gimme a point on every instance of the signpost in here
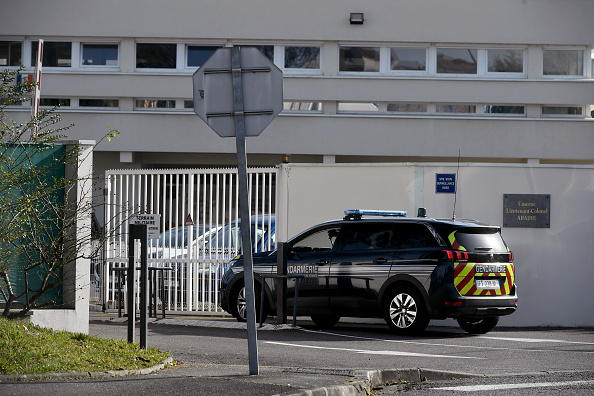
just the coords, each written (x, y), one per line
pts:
(143, 227)
(152, 222)
(445, 183)
(238, 91)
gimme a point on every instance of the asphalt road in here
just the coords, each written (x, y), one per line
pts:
(214, 360)
(372, 346)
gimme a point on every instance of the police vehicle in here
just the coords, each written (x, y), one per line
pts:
(382, 264)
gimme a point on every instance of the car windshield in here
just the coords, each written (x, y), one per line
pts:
(178, 236)
(478, 239)
(230, 237)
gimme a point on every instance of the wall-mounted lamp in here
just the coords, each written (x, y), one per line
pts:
(356, 18)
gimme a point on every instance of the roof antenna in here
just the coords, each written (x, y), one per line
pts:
(456, 186)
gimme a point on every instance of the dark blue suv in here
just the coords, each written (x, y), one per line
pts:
(381, 264)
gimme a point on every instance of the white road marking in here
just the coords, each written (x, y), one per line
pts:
(477, 388)
(536, 340)
(362, 351)
(456, 346)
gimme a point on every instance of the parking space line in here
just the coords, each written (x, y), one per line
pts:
(537, 340)
(369, 352)
(475, 388)
(444, 344)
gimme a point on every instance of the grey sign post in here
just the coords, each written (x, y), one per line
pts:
(238, 92)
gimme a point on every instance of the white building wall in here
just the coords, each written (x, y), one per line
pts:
(480, 21)
(553, 265)
(483, 24)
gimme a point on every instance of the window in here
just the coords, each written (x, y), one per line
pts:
(317, 242)
(413, 236)
(407, 107)
(302, 57)
(509, 110)
(367, 236)
(55, 54)
(10, 53)
(154, 104)
(408, 58)
(352, 107)
(455, 108)
(100, 55)
(505, 61)
(98, 103)
(229, 237)
(197, 55)
(563, 62)
(302, 106)
(359, 59)
(457, 60)
(188, 104)
(562, 110)
(156, 56)
(484, 240)
(53, 102)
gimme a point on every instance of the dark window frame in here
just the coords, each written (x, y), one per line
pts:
(156, 56)
(53, 52)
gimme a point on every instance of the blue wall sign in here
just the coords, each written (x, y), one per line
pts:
(445, 183)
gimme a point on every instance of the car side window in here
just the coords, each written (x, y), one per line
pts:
(366, 236)
(319, 241)
(413, 235)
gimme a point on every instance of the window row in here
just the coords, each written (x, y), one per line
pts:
(434, 60)
(342, 107)
(148, 55)
(455, 109)
(408, 60)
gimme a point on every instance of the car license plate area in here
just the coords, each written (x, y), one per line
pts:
(487, 284)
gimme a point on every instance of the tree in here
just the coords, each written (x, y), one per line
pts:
(41, 203)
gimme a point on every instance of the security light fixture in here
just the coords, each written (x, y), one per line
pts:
(356, 18)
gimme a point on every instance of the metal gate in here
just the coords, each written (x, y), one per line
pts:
(199, 218)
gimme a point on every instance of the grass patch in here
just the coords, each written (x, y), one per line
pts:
(30, 349)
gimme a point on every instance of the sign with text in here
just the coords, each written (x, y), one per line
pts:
(445, 183)
(152, 222)
(527, 210)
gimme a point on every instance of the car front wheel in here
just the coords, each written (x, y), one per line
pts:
(239, 303)
(478, 325)
(405, 311)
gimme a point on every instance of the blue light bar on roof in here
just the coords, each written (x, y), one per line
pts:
(384, 213)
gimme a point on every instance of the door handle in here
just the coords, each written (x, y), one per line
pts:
(322, 262)
(380, 260)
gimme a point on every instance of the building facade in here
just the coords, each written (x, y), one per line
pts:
(503, 87)
(506, 81)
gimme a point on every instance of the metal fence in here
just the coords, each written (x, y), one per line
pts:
(199, 222)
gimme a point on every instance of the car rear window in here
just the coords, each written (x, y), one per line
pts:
(413, 236)
(482, 240)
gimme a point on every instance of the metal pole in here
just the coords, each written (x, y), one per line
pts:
(244, 212)
(143, 285)
(131, 283)
(281, 296)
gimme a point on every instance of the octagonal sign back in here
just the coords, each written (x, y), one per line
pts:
(262, 84)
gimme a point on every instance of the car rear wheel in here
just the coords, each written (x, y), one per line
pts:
(239, 303)
(478, 325)
(325, 321)
(405, 311)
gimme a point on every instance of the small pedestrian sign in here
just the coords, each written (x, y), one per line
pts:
(445, 183)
